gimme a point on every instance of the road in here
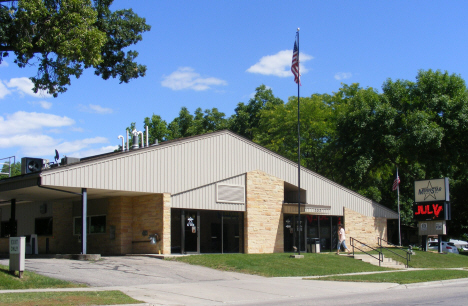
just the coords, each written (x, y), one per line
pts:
(163, 282)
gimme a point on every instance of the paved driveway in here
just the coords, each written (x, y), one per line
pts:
(126, 271)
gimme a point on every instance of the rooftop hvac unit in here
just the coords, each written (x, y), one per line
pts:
(31, 165)
(69, 160)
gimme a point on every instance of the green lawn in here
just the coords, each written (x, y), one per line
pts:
(66, 298)
(402, 277)
(281, 265)
(31, 280)
(433, 260)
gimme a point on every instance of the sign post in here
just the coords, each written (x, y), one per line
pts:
(17, 255)
(432, 208)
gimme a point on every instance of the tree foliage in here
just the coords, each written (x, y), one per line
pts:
(64, 37)
(15, 170)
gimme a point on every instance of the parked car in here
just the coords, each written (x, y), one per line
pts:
(448, 247)
(460, 244)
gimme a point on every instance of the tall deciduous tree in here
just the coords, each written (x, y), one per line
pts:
(419, 127)
(66, 36)
(247, 116)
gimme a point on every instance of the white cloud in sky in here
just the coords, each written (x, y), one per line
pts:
(23, 122)
(343, 75)
(92, 152)
(24, 86)
(95, 109)
(31, 132)
(279, 64)
(4, 63)
(43, 104)
(187, 78)
(3, 90)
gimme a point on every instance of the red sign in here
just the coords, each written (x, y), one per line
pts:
(431, 211)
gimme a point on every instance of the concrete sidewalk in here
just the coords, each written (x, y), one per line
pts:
(162, 282)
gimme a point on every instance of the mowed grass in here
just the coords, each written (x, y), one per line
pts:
(66, 298)
(402, 277)
(281, 265)
(31, 280)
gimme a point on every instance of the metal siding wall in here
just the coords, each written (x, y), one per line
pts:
(200, 161)
(205, 197)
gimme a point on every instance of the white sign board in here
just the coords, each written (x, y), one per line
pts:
(431, 190)
(15, 245)
(423, 226)
(17, 254)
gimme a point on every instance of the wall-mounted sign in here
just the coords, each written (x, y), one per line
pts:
(423, 226)
(439, 210)
(431, 190)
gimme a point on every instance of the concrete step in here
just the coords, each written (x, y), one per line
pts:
(387, 262)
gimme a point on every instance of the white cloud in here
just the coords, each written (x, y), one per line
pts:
(279, 64)
(96, 109)
(25, 86)
(4, 63)
(43, 104)
(187, 78)
(23, 122)
(92, 152)
(343, 75)
(3, 90)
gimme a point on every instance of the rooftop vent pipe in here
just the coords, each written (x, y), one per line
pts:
(135, 139)
(121, 137)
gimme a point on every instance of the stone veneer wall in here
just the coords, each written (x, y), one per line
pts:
(63, 241)
(363, 228)
(148, 215)
(166, 224)
(263, 225)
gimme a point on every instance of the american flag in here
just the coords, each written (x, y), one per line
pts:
(396, 182)
(295, 65)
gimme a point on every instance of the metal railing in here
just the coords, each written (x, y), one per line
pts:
(354, 245)
(407, 253)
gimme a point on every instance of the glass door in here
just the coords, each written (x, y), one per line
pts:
(190, 223)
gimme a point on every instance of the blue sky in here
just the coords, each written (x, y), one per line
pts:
(215, 53)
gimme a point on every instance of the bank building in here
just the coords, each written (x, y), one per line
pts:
(212, 193)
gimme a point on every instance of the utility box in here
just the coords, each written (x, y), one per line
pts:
(17, 254)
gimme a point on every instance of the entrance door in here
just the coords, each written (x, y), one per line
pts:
(191, 225)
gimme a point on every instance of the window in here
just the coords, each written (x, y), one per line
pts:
(43, 226)
(5, 229)
(95, 224)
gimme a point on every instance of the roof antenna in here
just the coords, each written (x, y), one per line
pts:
(56, 156)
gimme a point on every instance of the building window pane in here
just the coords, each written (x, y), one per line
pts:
(97, 224)
(43, 226)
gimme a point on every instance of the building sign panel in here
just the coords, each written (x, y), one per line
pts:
(431, 211)
(431, 190)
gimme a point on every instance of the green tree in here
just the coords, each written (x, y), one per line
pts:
(64, 37)
(247, 116)
(157, 129)
(419, 127)
(15, 170)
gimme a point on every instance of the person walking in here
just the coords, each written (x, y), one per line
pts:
(342, 240)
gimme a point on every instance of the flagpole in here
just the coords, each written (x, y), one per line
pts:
(298, 154)
(399, 219)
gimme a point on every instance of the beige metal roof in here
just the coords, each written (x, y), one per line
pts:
(189, 164)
